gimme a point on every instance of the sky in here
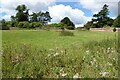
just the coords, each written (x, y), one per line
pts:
(79, 11)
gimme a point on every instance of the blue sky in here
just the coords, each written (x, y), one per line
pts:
(79, 11)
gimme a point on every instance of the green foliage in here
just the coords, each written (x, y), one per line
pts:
(54, 25)
(31, 25)
(20, 24)
(37, 24)
(25, 24)
(66, 33)
(114, 29)
(106, 26)
(4, 25)
(88, 25)
(34, 54)
(67, 23)
(101, 19)
(43, 17)
(117, 22)
(22, 14)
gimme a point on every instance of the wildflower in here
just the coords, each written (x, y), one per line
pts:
(87, 51)
(48, 55)
(1, 51)
(76, 76)
(64, 74)
(56, 54)
(108, 48)
(110, 64)
(51, 49)
(62, 51)
(104, 73)
(94, 59)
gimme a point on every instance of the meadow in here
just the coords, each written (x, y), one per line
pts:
(47, 54)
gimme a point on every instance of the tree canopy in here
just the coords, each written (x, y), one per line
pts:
(23, 15)
(67, 23)
(117, 22)
(101, 18)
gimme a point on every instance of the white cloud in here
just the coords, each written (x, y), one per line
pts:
(96, 5)
(8, 6)
(58, 12)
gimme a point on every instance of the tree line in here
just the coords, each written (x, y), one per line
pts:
(23, 19)
(101, 19)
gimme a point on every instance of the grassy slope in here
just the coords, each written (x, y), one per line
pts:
(51, 39)
(46, 54)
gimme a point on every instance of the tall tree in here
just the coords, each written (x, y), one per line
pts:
(22, 14)
(117, 22)
(67, 23)
(101, 19)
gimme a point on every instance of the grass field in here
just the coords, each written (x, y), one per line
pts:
(46, 54)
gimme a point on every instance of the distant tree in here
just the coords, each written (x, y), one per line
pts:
(13, 18)
(101, 19)
(34, 17)
(67, 23)
(4, 25)
(117, 22)
(22, 14)
(41, 17)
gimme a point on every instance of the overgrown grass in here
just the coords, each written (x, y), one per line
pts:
(66, 33)
(88, 59)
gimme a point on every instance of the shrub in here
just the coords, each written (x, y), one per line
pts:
(106, 26)
(114, 29)
(116, 22)
(20, 24)
(37, 24)
(26, 24)
(31, 25)
(66, 33)
(4, 25)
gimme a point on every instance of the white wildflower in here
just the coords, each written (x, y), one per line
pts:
(1, 51)
(51, 49)
(48, 55)
(87, 51)
(64, 74)
(56, 54)
(94, 59)
(92, 62)
(109, 48)
(61, 70)
(76, 76)
(62, 51)
(104, 73)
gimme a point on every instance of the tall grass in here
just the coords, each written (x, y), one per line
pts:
(95, 59)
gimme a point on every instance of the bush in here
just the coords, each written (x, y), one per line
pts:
(4, 25)
(37, 24)
(20, 24)
(114, 29)
(31, 25)
(12, 23)
(26, 24)
(66, 33)
(106, 26)
(116, 22)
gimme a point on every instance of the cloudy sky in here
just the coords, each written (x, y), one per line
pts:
(79, 11)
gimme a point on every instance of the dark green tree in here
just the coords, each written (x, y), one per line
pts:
(117, 22)
(101, 19)
(22, 14)
(34, 17)
(67, 23)
(4, 25)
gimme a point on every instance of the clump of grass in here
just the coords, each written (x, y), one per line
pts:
(66, 33)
